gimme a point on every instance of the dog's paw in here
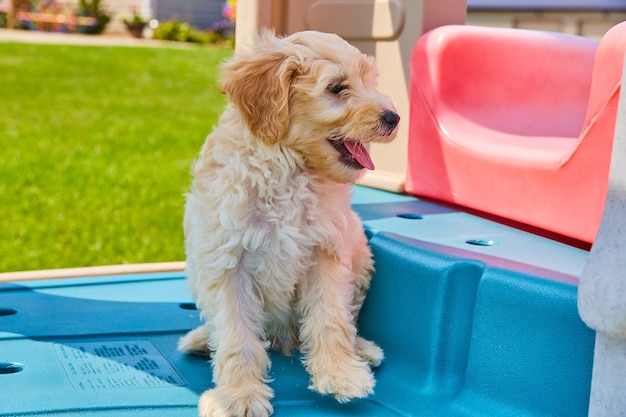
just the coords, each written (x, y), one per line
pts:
(346, 381)
(195, 342)
(250, 401)
(369, 351)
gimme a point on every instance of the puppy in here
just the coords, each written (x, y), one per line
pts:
(276, 258)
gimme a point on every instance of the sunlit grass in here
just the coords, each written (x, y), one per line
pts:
(95, 149)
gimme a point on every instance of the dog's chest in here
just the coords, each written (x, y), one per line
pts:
(288, 227)
(295, 231)
(270, 214)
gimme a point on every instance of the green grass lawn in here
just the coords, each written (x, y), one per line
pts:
(96, 145)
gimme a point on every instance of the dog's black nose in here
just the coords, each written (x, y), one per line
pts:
(390, 119)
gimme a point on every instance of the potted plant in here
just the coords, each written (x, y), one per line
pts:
(92, 9)
(135, 23)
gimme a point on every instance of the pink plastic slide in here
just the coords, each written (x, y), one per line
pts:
(517, 124)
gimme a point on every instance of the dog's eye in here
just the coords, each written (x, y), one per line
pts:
(337, 88)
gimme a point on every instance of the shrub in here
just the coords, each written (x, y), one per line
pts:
(175, 30)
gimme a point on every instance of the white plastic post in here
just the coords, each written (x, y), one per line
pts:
(602, 289)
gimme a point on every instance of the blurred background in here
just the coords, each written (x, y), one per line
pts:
(97, 136)
(591, 18)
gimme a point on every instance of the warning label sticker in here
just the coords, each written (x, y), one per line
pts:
(114, 365)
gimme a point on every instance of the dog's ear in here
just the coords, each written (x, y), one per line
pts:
(258, 83)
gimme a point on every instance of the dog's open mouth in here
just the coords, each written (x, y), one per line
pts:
(353, 153)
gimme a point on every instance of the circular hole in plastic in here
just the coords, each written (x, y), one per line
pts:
(188, 306)
(411, 216)
(7, 311)
(482, 242)
(10, 368)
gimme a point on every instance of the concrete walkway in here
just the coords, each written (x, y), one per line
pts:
(28, 36)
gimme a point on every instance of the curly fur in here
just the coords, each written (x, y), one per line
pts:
(276, 258)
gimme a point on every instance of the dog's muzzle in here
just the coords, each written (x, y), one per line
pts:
(353, 153)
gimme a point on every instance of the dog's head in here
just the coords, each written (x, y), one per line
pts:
(315, 93)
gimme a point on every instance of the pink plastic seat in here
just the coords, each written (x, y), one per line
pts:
(515, 123)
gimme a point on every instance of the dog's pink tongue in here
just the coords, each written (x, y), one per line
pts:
(358, 151)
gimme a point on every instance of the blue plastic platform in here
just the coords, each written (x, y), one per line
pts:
(487, 328)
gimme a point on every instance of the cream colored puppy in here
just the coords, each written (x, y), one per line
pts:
(276, 258)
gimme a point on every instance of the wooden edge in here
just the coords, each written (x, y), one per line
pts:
(93, 271)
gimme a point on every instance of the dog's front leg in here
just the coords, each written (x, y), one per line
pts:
(328, 332)
(240, 360)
